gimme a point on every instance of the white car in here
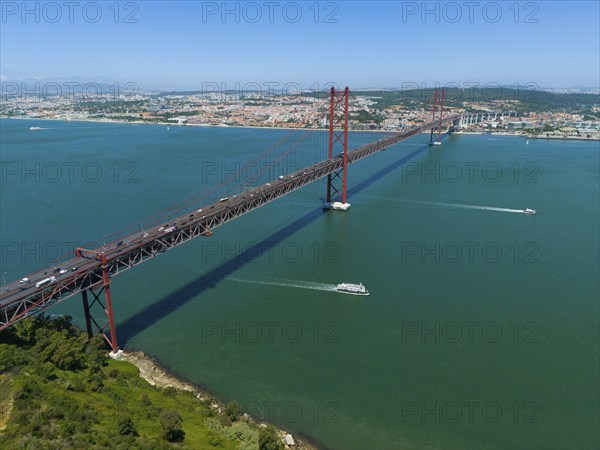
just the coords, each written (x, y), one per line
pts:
(24, 280)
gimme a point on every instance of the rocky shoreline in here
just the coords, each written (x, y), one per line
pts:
(157, 376)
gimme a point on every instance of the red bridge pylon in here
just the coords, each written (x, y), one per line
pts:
(338, 139)
(107, 329)
(438, 102)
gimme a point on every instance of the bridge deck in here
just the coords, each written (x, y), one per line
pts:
(19, 300)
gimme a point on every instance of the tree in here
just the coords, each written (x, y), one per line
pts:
(10, 356)
(233, 410)
(25, 330)
(268, 439)
(96, 353)
(125, 426)
(170, 423)
(60, 347)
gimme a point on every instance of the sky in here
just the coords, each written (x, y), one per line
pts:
(179, 45)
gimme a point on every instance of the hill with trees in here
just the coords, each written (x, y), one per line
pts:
(59, 389)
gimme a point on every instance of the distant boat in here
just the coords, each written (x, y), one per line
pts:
(529, 211)
(35, 128)
(168, 128)
(526, 143)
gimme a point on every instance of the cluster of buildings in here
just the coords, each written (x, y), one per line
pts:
(257, 109)
(547, 124)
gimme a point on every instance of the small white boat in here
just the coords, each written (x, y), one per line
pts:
(527, 143)
(34, 128)
(168, 128)
(529, 211)
(337, 206)
(354, 289)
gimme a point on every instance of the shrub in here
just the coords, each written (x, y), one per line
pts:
(268, 439)
(125, 426)
(170, 423)
(226, 421)
(170, 391)
(146, 400)
(233, 410)
(216, 441)
(10, 356)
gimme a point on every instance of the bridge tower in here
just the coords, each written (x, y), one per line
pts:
(338, 139)
(438, 102)
(107, 329)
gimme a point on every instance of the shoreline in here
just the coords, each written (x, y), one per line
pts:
(201, 125)
(195, 125)
(529, 136)
(159, 377)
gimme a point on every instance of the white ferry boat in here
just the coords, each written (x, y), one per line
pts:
(355, 289)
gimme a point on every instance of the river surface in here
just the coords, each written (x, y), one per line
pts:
(481, 330)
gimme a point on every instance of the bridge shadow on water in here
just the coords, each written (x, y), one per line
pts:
(160, 309)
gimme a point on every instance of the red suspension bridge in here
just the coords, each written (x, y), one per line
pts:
(90, 270)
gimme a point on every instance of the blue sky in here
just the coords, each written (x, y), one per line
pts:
(181, 45)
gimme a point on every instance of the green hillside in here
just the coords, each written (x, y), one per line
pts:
(60, 390)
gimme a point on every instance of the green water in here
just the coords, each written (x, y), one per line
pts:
(481, 330)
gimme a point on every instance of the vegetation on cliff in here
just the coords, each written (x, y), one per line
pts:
(60, 390)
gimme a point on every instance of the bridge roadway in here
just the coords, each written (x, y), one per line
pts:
(19, 300)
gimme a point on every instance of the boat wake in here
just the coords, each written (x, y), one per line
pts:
(298, 284)
(480, 207)
(463, 206)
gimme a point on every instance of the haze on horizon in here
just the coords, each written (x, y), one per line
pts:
(185, 45)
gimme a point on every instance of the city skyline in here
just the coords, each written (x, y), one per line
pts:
(181, 45)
